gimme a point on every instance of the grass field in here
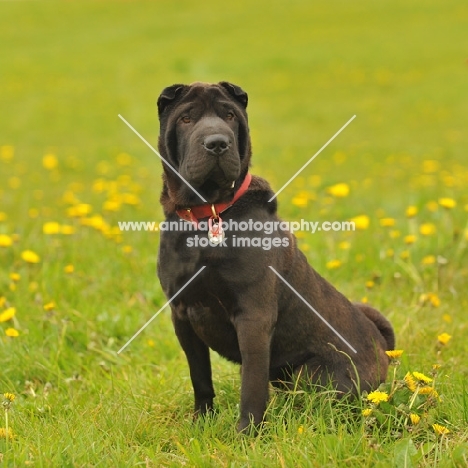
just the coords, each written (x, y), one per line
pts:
(74, 289)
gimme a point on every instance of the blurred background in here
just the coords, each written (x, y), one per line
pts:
(68, 69)
(74, 288)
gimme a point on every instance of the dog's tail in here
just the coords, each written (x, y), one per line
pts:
(382, 324)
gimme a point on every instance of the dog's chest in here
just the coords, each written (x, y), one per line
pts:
(215, 329)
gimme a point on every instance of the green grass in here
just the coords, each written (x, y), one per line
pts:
(69, 68)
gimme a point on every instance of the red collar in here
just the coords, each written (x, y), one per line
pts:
(195, 213)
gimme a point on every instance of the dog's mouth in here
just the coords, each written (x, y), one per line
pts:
(217, 191)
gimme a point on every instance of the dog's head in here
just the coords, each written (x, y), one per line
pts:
(204, 135)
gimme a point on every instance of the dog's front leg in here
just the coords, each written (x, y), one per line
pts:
(254, 336)
(198, 357)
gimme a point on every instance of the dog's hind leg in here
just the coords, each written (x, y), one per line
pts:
(382, 324)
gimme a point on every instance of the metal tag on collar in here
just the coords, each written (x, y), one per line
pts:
(215, 228)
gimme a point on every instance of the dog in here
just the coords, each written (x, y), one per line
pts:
(264, 308)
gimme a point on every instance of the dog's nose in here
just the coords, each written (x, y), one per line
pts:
(216, 144)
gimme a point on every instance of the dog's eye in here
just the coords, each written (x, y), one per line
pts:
(230, 115)
(185, 119)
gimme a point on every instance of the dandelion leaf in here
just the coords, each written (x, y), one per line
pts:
(406, 454)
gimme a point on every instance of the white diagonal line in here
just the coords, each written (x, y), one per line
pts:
(312, 158)
(161, 309)
(313, 310)
(162, 159)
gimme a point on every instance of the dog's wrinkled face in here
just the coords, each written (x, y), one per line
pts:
(204, 136)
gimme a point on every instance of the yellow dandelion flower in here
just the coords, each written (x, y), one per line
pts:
(434, 300)
(411, 211)
(4, 434)
(103, 167)
(444, 338)
(448, 203)
(410, 239)
(361, 222)
(410, 382)
(333, 264)
(124, 180)
(431, 298)
(50, 161)
(366, 412)
(429, 260)
(15, 276)
(364, 300)
(3, 216)
(97, 222)
(414, 418)
(7, 152)
(99, 185)
(387, 222)
(430, 166)
(11, 332)
(376, 397)
(9, 397)
(69, 269)
(447, 318)
(130, 199)
(428, 391)
(370, 284)
(345, 245)
(50, 306)
(340, 190)
(80, 210)
(404, 255)
(30, 257)
(300, 200)
(110, 205)
(304, 247)
(300, 429)
(5, 241)
(51, 228)
(127, 249)
(7, 314)
(151, 343)
(421, 377)
(449, 180)
(124, 159)
(14, 182)
(394, 353)
(427, 229)
(440, 430)
(69, 198)
(432, 205)
(67, 230)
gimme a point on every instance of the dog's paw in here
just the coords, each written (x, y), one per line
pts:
(203, 409)
(248, 427)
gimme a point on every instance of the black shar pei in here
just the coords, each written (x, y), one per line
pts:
(255, 300)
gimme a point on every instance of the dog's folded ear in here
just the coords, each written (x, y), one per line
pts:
(237, 92)
(168, 95)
